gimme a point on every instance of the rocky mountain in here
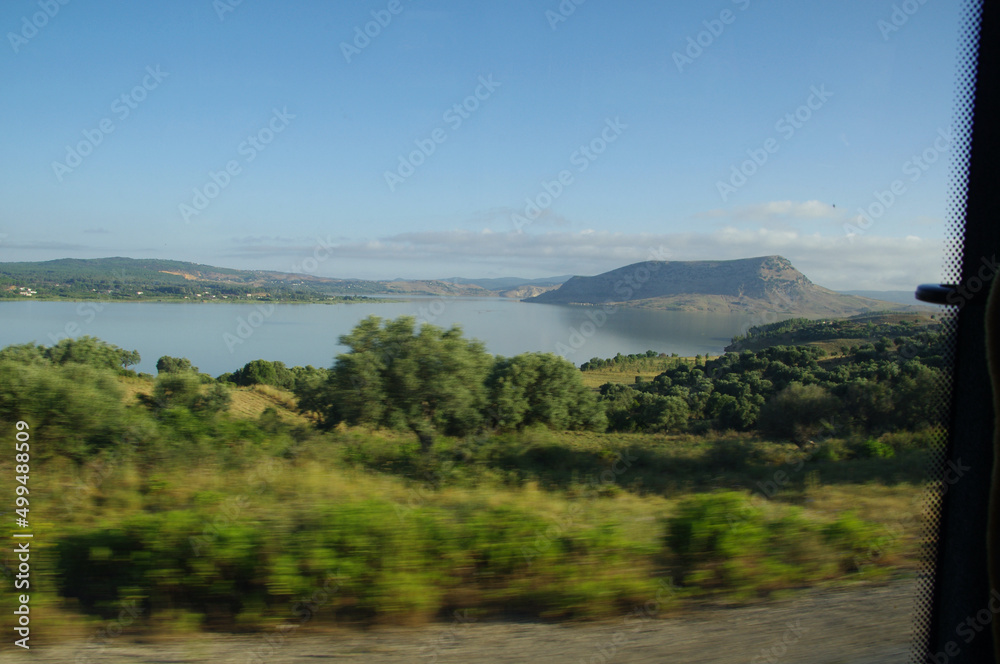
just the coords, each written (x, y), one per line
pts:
(748, 285)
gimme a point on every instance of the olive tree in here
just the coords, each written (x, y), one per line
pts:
(398, 376)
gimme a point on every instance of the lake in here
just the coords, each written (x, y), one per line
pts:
(221, 337)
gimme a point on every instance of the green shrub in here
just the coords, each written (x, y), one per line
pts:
(721, 541)
(236, 569)
(870, 448)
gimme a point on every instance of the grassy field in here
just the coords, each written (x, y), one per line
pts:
(646, 368)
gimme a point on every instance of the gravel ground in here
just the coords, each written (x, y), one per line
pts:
(861, 625)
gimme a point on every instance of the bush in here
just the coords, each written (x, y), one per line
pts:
(871, 448)
(76, 409)
(798, 413)
(374, 561)
(167, 364)
(721, 540)
(262, 372)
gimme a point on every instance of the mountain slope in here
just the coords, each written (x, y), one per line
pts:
(763, 284)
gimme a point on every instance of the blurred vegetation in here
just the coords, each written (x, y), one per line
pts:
(418, 476)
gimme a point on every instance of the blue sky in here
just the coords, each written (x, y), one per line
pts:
(119, 121)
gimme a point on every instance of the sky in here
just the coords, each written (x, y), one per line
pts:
(435, 138)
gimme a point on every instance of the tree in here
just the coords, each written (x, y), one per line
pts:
(629, 409)
(428, 380)
(167, 364)
(175, 389)
(24, 353)
(262, 372)
(798, 412)
(75, 409)
(310, 390)
(91, 351)
(129, 358)
(542, 388)
(183, 389)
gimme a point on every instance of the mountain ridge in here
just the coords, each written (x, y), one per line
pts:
(763, 284)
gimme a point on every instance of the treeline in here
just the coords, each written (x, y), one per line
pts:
(638, 362)
(802, 330)
(434, 382)
(106, 289)
(73, 399)
(790, 393)
(429, 381)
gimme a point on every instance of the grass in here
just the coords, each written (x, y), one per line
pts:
(251, 402)
(598, 377)
(247, 402)
(646, 369)
(492, 546)
(542, 524)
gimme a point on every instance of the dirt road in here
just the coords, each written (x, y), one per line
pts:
(862, 625)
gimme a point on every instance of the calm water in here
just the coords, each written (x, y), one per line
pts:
(223, 337)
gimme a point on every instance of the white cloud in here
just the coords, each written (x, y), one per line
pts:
(778, 212)
(868, 262)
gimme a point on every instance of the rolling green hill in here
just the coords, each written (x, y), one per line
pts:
(134, 279)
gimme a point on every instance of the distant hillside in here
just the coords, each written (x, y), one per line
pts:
(748, 285)
(531, 290)
(138, 279)
(835, 335)
(513, 287)
(510, 283)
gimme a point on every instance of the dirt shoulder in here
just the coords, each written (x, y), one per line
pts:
(860, 625)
